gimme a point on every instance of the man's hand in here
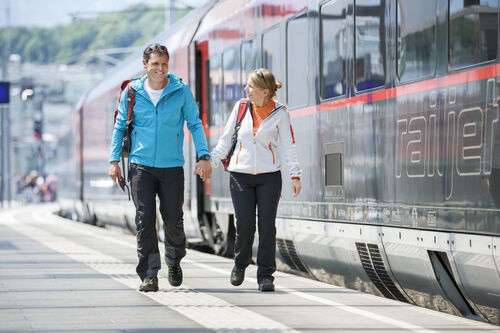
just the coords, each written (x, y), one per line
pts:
(115, 172)
(203, 168)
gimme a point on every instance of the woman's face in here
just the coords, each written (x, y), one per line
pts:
(255, 94)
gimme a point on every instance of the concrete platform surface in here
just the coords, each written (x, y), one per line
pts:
(62, 276)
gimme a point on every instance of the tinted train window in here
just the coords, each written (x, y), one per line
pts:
(248, 61)
(333, 169)
(370, 44)
(271, 56)
(232, 87)
(215, 90)
(416, 44)
(333, 166)
(333, 48)
(473, 32)
(297, 61)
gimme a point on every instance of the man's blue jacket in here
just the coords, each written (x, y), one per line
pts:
(158, 135)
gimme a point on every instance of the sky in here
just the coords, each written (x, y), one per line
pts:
(49, 13)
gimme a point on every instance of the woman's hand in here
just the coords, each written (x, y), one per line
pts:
(296, 186)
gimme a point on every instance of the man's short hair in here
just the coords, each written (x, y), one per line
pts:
(158, 49)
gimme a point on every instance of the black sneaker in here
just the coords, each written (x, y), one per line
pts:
(149, 284)
(175, 275)
(266, 284)
(237, 275)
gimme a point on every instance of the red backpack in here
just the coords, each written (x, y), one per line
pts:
(126, 143)
(241, 113)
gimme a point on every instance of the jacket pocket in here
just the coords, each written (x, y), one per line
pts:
(272, 152)
(239, 151)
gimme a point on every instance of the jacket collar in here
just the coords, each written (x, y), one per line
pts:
(174, 84)
(277, 106)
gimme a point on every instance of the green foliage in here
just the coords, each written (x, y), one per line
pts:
(75, 42)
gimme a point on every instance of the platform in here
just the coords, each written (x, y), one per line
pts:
(57, 275)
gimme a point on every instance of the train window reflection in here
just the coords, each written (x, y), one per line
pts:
(416, 39)
(231, 81)
(473, 30)
(333, 48)
(215, 91)
(369, 44)
(271, 53)
(248, 61)
(333, 169)
(297, 61)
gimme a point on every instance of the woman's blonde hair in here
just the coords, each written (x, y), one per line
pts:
(262, 78)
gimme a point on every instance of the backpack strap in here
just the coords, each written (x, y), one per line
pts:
(130, 118)
(241, 113)
(130, 103)
(130, 100)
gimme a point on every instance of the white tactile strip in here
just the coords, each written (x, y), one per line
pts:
(208, 311)
(214, 319)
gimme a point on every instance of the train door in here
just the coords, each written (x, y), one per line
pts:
(215, 228)
(200, 191)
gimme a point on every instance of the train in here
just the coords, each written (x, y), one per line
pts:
(395, 110)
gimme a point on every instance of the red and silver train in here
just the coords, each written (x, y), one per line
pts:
(395, 109)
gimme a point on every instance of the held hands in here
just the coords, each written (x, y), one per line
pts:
(203, 169)
(296, 186)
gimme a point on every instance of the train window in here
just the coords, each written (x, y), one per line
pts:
(248, 61)
(416, 39)
(215, 91)
(231, 80)
(369, 44)
(271, 55)
(473, 32)
(333, 48)
(333, 169)
(297, 61)
(333, 166)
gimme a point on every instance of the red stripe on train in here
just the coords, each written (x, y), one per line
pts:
(408, 89)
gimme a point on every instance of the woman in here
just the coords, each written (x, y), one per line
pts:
(255, 179)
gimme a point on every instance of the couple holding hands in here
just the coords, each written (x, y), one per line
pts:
(257, 134)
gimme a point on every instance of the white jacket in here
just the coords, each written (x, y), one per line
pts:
(259, 153)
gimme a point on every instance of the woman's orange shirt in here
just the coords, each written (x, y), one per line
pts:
(261, 113)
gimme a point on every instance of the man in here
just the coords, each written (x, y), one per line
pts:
(162, 104)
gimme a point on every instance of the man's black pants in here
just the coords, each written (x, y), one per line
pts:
(248, 192)
(168, 183)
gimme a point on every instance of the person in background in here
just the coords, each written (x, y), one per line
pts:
(163, 103)
(255, 176)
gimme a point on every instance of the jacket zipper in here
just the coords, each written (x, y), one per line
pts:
(156, 134)
(156, 116)
(272, 152)
(237, 156)
(274, 111)
(254, 156)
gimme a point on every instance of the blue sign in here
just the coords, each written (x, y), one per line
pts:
(4, 93)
